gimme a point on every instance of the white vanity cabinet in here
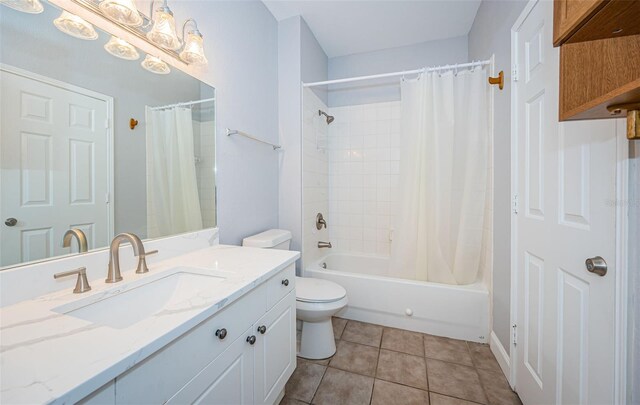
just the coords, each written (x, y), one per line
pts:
(249, 373)
(202, 367)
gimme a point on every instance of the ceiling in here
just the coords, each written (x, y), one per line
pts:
(353, 26)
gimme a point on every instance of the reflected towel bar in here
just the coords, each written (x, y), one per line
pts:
(246, 135)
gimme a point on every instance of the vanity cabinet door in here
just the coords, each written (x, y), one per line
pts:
(226, 380)
(275, 350)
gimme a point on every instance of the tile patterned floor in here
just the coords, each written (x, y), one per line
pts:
(384, 366)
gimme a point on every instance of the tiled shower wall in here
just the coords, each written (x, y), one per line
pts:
(314, 176)
(364, 164)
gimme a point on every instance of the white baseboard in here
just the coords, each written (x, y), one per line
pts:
(501, 355)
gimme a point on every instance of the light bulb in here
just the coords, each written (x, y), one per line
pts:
(26, 6)
(163, 32)
(121, 49)
(122, 11)
(193, 52)
(155, 65)
(75, 26)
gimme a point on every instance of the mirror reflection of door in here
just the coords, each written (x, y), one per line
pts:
(54, 145)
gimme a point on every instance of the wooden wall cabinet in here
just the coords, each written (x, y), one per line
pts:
(599, 56)
(589, 20)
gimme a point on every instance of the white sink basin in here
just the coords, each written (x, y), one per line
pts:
(182, 290)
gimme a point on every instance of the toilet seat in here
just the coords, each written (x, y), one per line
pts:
(315, 290)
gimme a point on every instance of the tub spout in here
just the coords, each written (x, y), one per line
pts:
(324, 245)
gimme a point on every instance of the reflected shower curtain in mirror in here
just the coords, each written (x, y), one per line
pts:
(173, 205)
(443, 177)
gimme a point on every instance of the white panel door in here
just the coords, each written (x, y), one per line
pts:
(54, 168)
(275, 350)
(226, 380)
(566, 176)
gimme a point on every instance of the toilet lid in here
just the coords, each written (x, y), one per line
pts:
(318, 290)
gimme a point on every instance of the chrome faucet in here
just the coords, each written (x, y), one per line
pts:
(114, 274)
(79, 235)
(322, 245)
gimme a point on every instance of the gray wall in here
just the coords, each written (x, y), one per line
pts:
(32, 43)
(442, 52)
(634, 276)
(491, 34)
(241, 41)
(300, 58)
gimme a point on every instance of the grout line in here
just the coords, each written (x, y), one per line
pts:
(319, 384)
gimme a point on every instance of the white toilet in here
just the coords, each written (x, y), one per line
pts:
(317, 300)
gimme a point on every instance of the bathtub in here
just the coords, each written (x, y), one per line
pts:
(460, 312)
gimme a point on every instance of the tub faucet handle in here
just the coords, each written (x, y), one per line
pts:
(320, 221)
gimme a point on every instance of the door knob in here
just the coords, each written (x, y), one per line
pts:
(596, 265)
(10, 222)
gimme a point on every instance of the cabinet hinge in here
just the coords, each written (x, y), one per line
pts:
(106, 197)
(514, 204)
(515, 334)
(106, 123)
(514, 73)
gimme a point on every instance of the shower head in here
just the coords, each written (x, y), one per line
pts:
(329, 118)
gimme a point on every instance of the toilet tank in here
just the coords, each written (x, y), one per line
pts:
(271, 239)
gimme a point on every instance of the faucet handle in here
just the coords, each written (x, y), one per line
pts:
(142, 262)
(82, 284)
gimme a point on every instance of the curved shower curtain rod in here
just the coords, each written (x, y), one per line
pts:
(406, 72)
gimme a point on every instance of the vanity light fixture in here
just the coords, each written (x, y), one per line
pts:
(122, 11)
(26, 6)
(163, 32)
(75, 26)
(121, 49)
(193, 51)
(155, 65)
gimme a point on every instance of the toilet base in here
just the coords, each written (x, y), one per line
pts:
(317, 340)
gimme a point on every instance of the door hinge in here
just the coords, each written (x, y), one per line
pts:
(515, 334)
(514, 73)
(514, 204)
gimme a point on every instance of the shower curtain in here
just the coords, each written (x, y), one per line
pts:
(173, 204)
(443, 177)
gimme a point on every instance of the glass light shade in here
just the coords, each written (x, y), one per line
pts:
(122, 11)
(75, 26)
(163, 32)
(155, 65)
(193, 52)
(26, 6)
(121, 49)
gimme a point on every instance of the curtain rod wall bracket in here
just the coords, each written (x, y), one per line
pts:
(498, 80)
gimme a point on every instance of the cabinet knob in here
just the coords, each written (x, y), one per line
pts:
(262, 329)
(251, 339)
(285, 282)
(221, 333)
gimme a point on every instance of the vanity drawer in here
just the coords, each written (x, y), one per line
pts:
(160, 376)
(280, 285)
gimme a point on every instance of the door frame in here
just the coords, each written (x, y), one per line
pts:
(622, 240)
(109, 132)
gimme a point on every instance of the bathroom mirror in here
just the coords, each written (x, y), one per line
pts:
(96, 142)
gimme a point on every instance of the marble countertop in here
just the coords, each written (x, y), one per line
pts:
(49, 357)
